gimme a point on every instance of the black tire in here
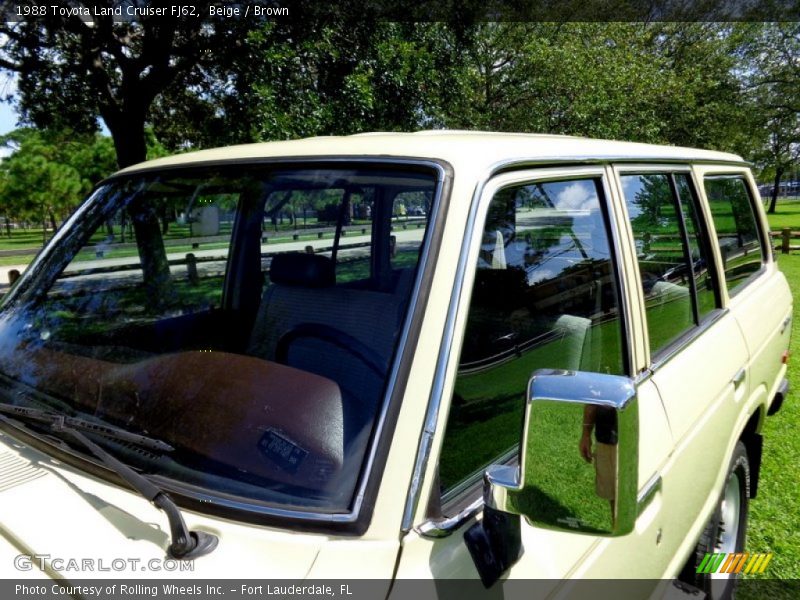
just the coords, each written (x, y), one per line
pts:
(726, 531)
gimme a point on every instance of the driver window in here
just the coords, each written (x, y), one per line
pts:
(545, 296)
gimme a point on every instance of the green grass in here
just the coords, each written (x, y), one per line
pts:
(22, 239)
(787, 214)
(774, 514)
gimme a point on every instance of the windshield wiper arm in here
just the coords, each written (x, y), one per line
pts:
(184, 544)
(109, 431)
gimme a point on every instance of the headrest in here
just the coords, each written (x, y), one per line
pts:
(302, 270)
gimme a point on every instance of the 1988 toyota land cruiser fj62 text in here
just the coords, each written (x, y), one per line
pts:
(441, 354)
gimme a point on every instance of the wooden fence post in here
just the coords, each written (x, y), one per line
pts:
(191, 269)
(786, 239)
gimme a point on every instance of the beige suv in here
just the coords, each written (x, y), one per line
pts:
(398, 356)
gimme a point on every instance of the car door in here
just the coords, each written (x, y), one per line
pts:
(695, 350)
(752, 280)
(545, 284)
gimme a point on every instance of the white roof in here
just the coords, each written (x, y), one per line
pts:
(462, 149)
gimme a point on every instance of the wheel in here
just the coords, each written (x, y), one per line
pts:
(725, 533)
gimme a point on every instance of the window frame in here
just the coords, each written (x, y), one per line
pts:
(666, 352)
(762, 230)
(447, 365)
(357, 519)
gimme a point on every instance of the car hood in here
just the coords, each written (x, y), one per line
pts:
(88, 528)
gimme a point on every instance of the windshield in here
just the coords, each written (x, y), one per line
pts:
(247, 316)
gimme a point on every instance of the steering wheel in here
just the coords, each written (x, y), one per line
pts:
(334, 336)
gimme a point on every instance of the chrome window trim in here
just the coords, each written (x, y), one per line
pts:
(445, 349)
(678, 344)
(536, 163)
(243, 506)
(439, 528)
(402, 342)
(653, 168)
(501, 176)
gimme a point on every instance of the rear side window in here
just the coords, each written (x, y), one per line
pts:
(737, 229)
(672, 254)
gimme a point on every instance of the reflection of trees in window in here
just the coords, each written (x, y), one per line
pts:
(729, 197)
(651, 198)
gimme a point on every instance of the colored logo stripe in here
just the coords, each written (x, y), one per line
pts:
(758, 563)
(734, 563)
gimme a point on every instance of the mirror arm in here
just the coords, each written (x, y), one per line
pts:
(500, 484)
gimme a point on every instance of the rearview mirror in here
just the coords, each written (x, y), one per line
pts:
(578, 456)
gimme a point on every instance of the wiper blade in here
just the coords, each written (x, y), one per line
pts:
(109, 431)
(184, 544)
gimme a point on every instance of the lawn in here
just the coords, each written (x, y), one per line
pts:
(774, 514)
(786, 215)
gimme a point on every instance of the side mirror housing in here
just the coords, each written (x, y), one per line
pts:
(578, 462)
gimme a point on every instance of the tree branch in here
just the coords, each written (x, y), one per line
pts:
(9, 66)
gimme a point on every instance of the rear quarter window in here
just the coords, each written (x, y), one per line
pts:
(738, 232)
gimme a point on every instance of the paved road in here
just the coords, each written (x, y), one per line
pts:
(5, 269)
(403, 237)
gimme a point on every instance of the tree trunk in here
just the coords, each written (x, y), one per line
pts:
(347, 209)
(53, 224)
(129, 142)
(776, 185)
(150, 243)
(164, 218)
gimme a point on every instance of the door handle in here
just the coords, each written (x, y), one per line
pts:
(738, 378)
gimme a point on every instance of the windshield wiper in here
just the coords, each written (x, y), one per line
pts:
(109, 431)
(184, 544)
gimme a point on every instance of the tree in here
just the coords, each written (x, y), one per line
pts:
(324, 69)
(115, 70)
(772, 77)
(36, 183)
(72, 71)
(780, 152)
(48, 173)
(330, 71)
(658, 82)
(773, 50)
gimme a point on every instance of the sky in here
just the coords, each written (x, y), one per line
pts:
(8, 116)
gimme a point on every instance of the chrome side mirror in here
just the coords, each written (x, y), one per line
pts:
(578, 456)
